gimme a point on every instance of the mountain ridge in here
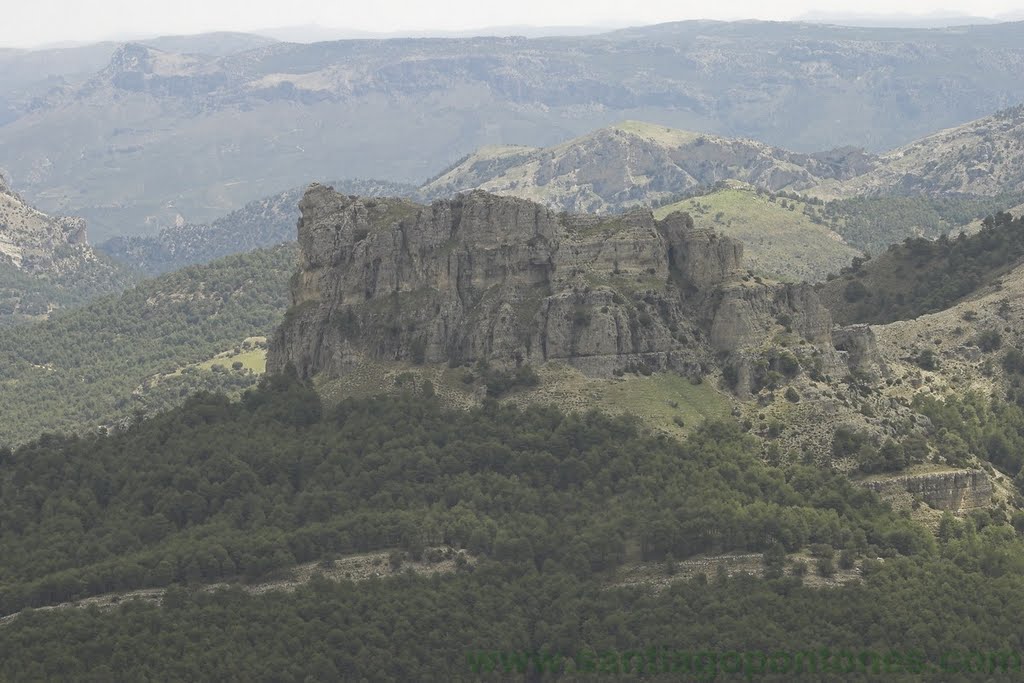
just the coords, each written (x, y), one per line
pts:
(785, 84)
(980, 157)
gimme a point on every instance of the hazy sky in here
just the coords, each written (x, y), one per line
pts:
(33, 22)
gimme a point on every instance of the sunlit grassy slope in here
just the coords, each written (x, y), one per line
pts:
(780, 236)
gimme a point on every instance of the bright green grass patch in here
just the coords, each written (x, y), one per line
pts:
(664, 399)
(255, 360)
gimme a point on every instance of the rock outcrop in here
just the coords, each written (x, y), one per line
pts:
(861, 348)
(956, 491)
(483, 277)
(34, 241)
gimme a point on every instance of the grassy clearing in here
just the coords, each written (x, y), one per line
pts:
(252, 354)
(255, 360)
(663, 398)
(664, 401)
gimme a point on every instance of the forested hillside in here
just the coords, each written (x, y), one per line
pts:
(215, 490)
(874, 223)
(81, 369)
(924, 276)
(25, 297)
(549, 504)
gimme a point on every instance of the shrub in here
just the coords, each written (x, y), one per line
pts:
(395, 560)
(926, 360)
(847, 559)
(855, 291)
(989, 340)
(787, 364)
(822, 550)
(1013, 361)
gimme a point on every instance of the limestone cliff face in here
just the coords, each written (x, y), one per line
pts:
(956, 491)
(510, 281)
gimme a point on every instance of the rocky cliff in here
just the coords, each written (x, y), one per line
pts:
(957, 491)
(46, 262)
(483, 277)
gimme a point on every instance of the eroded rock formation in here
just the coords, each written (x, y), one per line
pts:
(510, 281)
(957, 491)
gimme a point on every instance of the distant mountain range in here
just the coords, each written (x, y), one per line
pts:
(635, 163)
(768, 197)
(83, 135)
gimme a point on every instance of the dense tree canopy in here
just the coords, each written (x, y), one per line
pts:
(81, 368)
(925, 276)
(218, 489)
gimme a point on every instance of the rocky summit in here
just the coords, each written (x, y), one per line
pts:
(507, 281)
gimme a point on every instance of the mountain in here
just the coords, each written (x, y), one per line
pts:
(434, 429)
(46, 262)
(640, 164)
(982, 157)
(788, 233)
(315, 33)
(637, 164)
(507, 282)
(27, 72)
(488, 296)
(896, 20)
(231, 129)
(27, 76)
(29, 238)
(262, 223)
(216, 43)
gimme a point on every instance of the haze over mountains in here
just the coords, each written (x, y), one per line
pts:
(219, 123)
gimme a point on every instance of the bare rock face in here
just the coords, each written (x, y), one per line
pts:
(483, 277)
(861, 348)
(957, 491)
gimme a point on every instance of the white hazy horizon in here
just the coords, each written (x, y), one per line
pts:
(38, 23)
